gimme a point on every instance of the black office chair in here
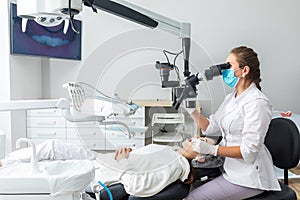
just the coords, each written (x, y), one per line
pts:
(283, 142)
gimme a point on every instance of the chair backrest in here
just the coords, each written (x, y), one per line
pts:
(283, 142)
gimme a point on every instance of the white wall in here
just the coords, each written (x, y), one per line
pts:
(112, 58)
(20, 78)
(4, 69)
(25, 83)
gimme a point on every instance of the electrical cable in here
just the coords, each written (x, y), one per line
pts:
(72, 19)
(164, 51)
(174, 61)
(177, 56)
(176, 68)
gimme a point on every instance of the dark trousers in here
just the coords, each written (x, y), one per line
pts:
(174, 191)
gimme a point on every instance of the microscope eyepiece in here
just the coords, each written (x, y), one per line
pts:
(223, 66)
(215, 70)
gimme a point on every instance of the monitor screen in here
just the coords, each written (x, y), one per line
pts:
(44, 41)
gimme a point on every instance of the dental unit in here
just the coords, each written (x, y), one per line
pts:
(49, 180)
(71, 109)
(56, 180)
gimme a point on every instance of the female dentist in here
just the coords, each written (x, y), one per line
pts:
(243, 119)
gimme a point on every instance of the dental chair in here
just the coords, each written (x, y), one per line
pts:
(283, 142)
(175, 191)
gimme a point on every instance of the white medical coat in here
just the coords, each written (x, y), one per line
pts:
(244, 121)
(147, 171)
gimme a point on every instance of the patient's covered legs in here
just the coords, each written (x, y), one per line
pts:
(50, 150)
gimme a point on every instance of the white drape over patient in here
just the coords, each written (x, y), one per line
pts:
(146, 172)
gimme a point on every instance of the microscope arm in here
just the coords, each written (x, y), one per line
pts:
(149, 19)
(140, 15)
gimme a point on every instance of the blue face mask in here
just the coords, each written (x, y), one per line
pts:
(229, 78)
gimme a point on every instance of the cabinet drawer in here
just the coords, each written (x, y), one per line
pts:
(46, 133)
(113, 144)
(44, 112)
(93, 144)
(85, 133)
(52, 122)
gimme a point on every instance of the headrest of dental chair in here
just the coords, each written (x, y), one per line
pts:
(282, 140)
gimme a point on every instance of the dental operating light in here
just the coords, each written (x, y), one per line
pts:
(49, 12)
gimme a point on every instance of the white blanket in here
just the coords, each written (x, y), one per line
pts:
(146, 172)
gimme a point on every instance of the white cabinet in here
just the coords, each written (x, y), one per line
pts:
(50, 124)
(45, 124)
(117, 139)
(90, 134)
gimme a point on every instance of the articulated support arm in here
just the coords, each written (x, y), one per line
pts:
(62, 104)
(149, 19)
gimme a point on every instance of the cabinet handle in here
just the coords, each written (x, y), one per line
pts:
(46, 123)
(87, 134)
(45, 112)
(47, 134)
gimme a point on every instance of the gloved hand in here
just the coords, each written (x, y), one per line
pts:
(204, 147)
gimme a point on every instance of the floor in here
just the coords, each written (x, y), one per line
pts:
(295, 183)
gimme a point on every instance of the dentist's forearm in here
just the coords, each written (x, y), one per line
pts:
(200, 120)
(232, 152)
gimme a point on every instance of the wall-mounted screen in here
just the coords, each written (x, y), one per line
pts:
(44, 41)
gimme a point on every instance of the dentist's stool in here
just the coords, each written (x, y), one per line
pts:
(283, 142)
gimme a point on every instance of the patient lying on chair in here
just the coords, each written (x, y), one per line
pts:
(143, 172)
